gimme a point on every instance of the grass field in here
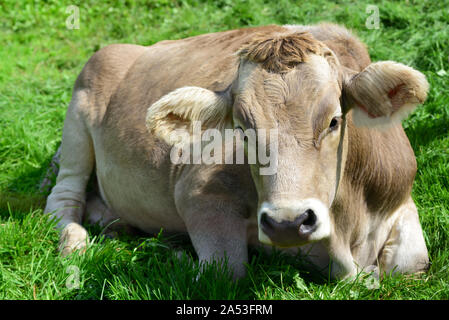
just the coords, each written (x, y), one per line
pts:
(40, 59)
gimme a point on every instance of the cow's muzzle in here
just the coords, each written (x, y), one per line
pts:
(299, 223)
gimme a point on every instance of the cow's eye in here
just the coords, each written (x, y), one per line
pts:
(334, 123)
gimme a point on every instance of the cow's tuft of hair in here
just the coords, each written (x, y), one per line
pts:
(279, 53)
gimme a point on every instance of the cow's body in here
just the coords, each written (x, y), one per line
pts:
(374, 218)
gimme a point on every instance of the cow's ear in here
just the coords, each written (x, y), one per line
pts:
(384, 93)
(188, 106)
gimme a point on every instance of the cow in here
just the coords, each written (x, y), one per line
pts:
(341, 189)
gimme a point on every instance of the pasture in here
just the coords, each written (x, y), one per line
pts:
(44, 45)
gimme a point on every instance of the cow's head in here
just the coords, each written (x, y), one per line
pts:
(294, 84)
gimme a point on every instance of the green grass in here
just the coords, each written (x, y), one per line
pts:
(39, 61)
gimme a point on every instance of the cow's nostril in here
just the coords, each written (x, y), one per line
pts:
(311, 219)
(309, 224)
(265, 221)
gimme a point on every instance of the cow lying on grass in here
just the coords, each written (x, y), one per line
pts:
(340, 171)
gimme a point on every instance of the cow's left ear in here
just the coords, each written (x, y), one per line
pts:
(384, 93)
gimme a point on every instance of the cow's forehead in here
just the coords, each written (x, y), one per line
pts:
(312, 80)
(316, 69)
(306, 84)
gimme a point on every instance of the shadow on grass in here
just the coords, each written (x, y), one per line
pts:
(166, 267)
(423, 133)
(18, 202)
(23, 193)
(278, 269)
(28, 180)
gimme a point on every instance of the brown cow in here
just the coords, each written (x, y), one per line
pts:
(344, 168)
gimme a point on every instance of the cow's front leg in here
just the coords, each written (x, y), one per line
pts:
(67, 199)
(405, 250)
(218, 232)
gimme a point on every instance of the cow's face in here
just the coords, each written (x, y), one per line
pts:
(302, 107)
(294, 85)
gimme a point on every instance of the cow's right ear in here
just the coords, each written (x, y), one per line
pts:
(181, 108)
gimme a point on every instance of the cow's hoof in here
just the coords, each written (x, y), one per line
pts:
(73, 238)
